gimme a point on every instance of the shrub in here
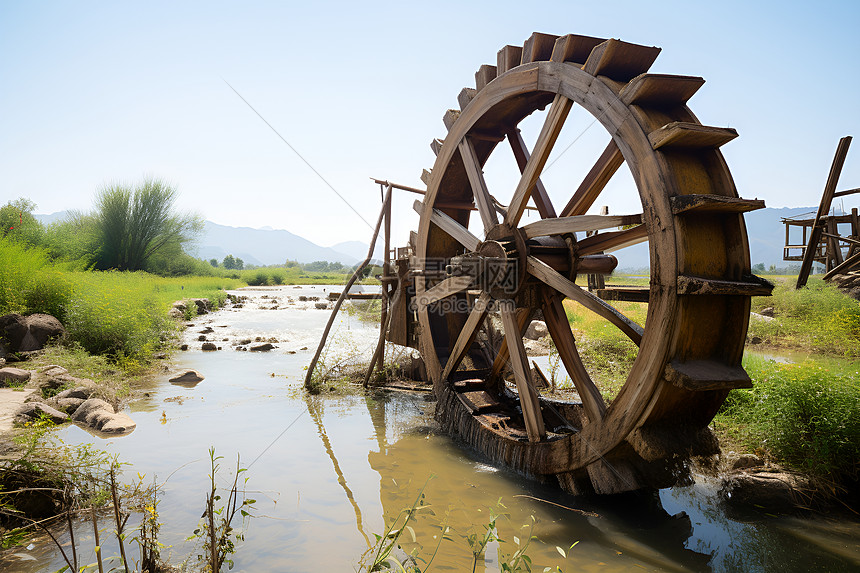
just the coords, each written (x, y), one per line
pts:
(817, 318)
(806, 415)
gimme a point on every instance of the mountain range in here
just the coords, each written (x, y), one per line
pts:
(275, 246)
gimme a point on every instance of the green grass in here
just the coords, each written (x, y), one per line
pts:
(119, 314)
(606, 352)
(806, 416)
(818, 318)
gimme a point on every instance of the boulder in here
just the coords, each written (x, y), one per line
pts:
(536, 330)
(262, 347)
(747, 461)
(208, 346)
(40, 329)
(28, 333)
(34, 410)
(79, 393)
(13, 375)
(69, 405)
(321, 305)
(52, 370)
(13, 328)
(769, 489)
(203, 305)
(99, 415)
(767, 312)
(188, 379)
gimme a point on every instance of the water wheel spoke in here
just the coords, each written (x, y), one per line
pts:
(519, 362)
(539, 194)
(599, 175)
(479, 187)
(577, 223)
(502, 356)
(543, 147)
(549, 276)
(467, 335)
(445, 288)
(612, 241)
(562, 336)
(457, 231)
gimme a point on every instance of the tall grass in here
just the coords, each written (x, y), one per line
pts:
(120, 314)
(29, 282)
(804, 415)
(818, 318)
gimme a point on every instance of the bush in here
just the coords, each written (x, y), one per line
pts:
(818, 318)
(806, 415)
(28, 282)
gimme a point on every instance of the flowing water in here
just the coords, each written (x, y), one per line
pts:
(330, 471)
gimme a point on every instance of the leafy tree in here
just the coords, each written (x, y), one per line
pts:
(135, 224)
(213, 262)
(17, 222)
(233, 263)
(74, 238)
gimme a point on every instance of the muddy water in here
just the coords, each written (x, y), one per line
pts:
(329, 472)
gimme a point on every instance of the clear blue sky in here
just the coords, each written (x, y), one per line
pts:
(93, 92)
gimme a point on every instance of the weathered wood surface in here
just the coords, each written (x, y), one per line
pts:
(691, 217)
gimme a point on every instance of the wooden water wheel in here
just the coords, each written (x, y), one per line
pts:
(698, 299)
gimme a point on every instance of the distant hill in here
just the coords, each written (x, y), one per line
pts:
(269, 246)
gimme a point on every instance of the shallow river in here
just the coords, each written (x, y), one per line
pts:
(329, 472)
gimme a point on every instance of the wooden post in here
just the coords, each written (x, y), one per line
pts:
(386, 273)
(343, 295)
(823, 209)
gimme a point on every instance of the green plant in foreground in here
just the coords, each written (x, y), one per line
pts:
(381, 555)
(216, 528)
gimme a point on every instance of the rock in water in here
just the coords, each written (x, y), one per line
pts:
(262, 347)
(188, 379)
(99, 415)
(32, 410)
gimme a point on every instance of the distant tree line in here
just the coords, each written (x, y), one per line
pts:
(130, 228)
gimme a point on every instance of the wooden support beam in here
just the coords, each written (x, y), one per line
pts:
(550, 277)
(823, 209)
(612, 241)
(559, 328)
(599, 175)
(578, 223)
(479, 186)
(457, 231)
(555, 118)
(845, 266)
(467, 334)
(529, 399)
(521, 154)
